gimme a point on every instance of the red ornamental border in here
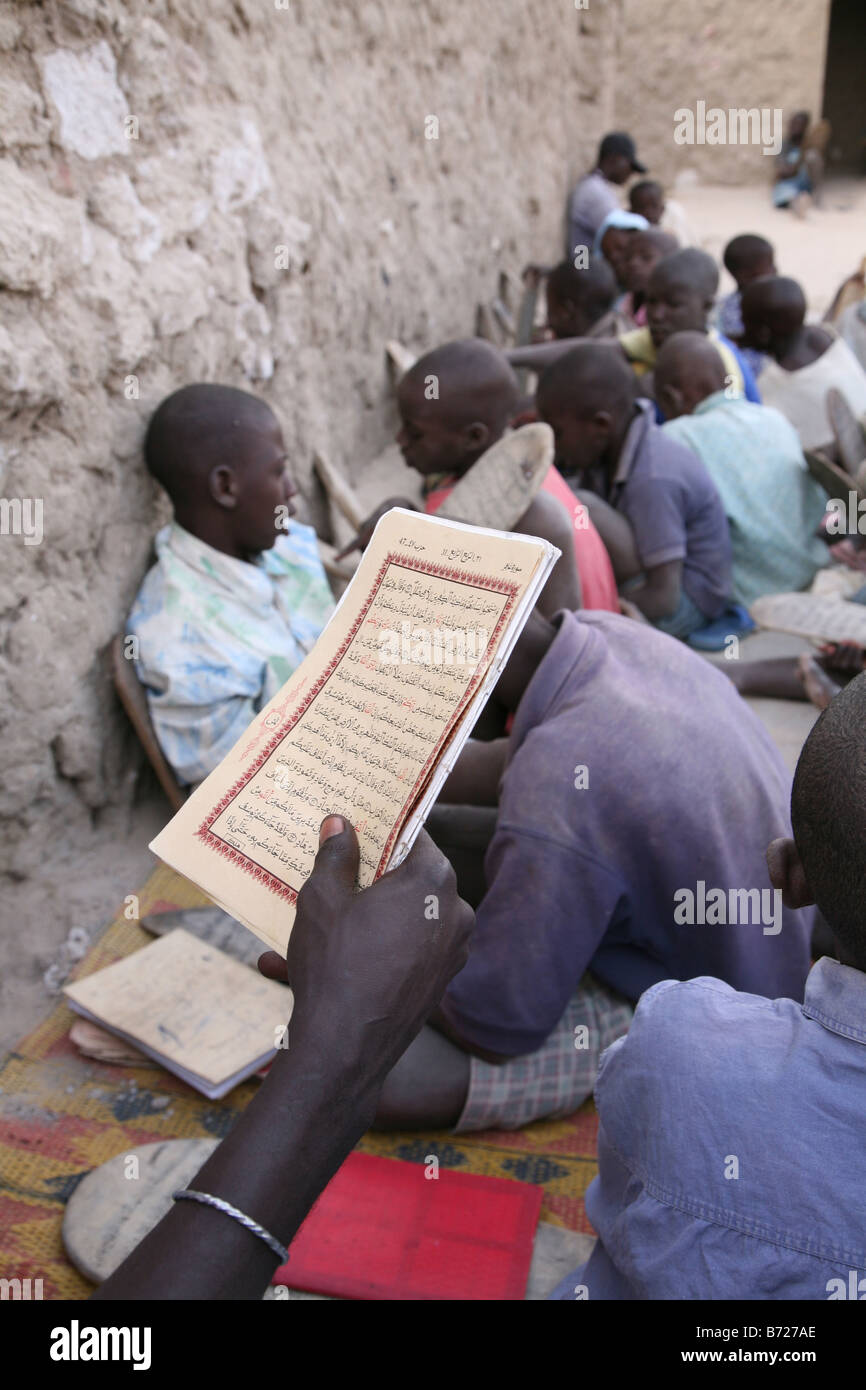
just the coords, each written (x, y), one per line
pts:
(234, 856)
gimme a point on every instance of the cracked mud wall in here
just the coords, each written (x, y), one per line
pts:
(738, 55)
(239, 192)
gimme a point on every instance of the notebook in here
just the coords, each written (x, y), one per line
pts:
(369, 725)
(386, 1229)
(203, 1016)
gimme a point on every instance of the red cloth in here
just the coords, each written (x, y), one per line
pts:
(597, 584)
(383, 1229)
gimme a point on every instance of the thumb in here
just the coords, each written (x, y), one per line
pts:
(339, 855)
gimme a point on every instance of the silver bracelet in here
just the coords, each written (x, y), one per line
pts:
(229, 1210)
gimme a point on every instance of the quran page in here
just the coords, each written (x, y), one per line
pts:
(369, 725)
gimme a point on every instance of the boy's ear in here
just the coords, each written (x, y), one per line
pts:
(670, 398)
(477, 435)
(788, 875)
(222, 486)
(603, 421)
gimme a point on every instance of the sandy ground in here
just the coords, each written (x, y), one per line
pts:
(820, 251)
(52, 920)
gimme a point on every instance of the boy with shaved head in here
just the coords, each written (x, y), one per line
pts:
(731, 1126)
(238, 594)
(773, 504)
(454, 403)
(806, 359)
(746, 258)
(647, 198)
(680, 293)
(651, 498)
(580, 302)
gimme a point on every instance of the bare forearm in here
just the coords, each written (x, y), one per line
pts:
(654, 603)
(474, 780)
(541, 355)
(284, 1149)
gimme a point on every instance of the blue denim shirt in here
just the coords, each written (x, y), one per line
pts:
(732, 1162)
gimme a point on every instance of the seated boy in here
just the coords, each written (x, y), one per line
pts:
(680, 293)
(235, 601)
(746, 258)
(651, 498)
(805, 360)
(443, 433)
(647, 198)
(645, 251)
(580, 302)
(633, 772)
(614, 238)
(731, 1127)
(799, 168)
(773, 504)
(595, 195)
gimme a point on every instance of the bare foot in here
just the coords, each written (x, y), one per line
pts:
(817, 684)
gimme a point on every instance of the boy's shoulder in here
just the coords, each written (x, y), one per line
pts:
(663, 455)
(695, 1039)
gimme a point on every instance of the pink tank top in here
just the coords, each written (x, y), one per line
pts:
(597, 584)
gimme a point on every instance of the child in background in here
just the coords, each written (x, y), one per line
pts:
(647, 198)
(652, 500)
(680, 294)
(646, 249)
(746, 258)
(614, 238)
(804, 360)
(580, 303)
(442, 436)
(773, 504)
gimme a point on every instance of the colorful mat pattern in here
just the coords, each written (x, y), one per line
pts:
(62, 1114)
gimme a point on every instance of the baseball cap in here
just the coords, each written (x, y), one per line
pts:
(618, 142)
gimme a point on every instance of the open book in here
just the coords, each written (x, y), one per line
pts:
(369, 725)
(205, 1017)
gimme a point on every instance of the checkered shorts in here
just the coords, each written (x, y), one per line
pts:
(557, 1078)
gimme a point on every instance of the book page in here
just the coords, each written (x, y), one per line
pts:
(188, 1002)
(825, 618)
(362, 726)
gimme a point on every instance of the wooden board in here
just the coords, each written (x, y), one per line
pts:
(111, 1210)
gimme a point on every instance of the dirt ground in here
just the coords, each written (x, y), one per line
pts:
(820, 251)
(52, 919)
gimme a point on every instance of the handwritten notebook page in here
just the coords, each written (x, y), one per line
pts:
(369, 725)
(823, 617)
(210, 1019)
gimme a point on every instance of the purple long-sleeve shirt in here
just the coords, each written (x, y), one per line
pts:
(637, 779)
